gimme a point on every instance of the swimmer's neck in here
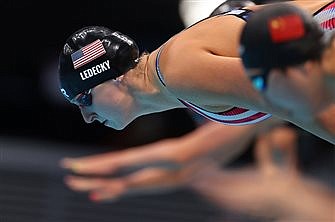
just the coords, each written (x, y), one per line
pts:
(146, 89)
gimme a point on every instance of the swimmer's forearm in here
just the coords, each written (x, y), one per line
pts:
(222, 142)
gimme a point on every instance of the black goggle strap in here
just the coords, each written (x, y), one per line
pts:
(84, 98)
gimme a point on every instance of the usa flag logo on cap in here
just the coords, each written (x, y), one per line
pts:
(87, 54)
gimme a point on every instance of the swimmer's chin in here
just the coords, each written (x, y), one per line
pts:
(115, 126)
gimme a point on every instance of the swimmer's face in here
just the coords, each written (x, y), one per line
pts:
(111, 106)
(289, 89)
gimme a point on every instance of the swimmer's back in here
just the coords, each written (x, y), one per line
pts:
(189, 74)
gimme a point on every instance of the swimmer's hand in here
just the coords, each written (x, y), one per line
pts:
(156, 167)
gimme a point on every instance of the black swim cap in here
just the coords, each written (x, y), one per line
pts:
(280, 35)
(230, 5)
(93, 55)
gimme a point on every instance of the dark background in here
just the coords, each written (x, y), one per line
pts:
(37, 121)
(33, 33)
(31, 106)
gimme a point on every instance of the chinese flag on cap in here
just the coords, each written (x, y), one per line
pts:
(286, 28)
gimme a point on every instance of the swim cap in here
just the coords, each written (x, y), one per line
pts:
(230, 5)
(93, 55)
(280, 35)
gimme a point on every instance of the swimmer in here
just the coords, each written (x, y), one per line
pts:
(198, 68)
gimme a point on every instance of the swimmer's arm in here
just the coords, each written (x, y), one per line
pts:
(199, 76)
(217, 80)
(310, 6)
(225, 141)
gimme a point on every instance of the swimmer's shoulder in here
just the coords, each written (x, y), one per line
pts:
(310, 6)
(177, 59)
(214, 36)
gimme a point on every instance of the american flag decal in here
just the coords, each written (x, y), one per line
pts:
(87, 54)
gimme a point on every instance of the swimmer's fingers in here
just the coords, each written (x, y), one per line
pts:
(142, 182)
(145, 181)
(157, 154)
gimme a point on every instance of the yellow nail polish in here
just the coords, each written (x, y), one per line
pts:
(76, 166)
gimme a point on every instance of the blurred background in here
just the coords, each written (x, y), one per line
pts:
(39, 127)
(33, 35)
